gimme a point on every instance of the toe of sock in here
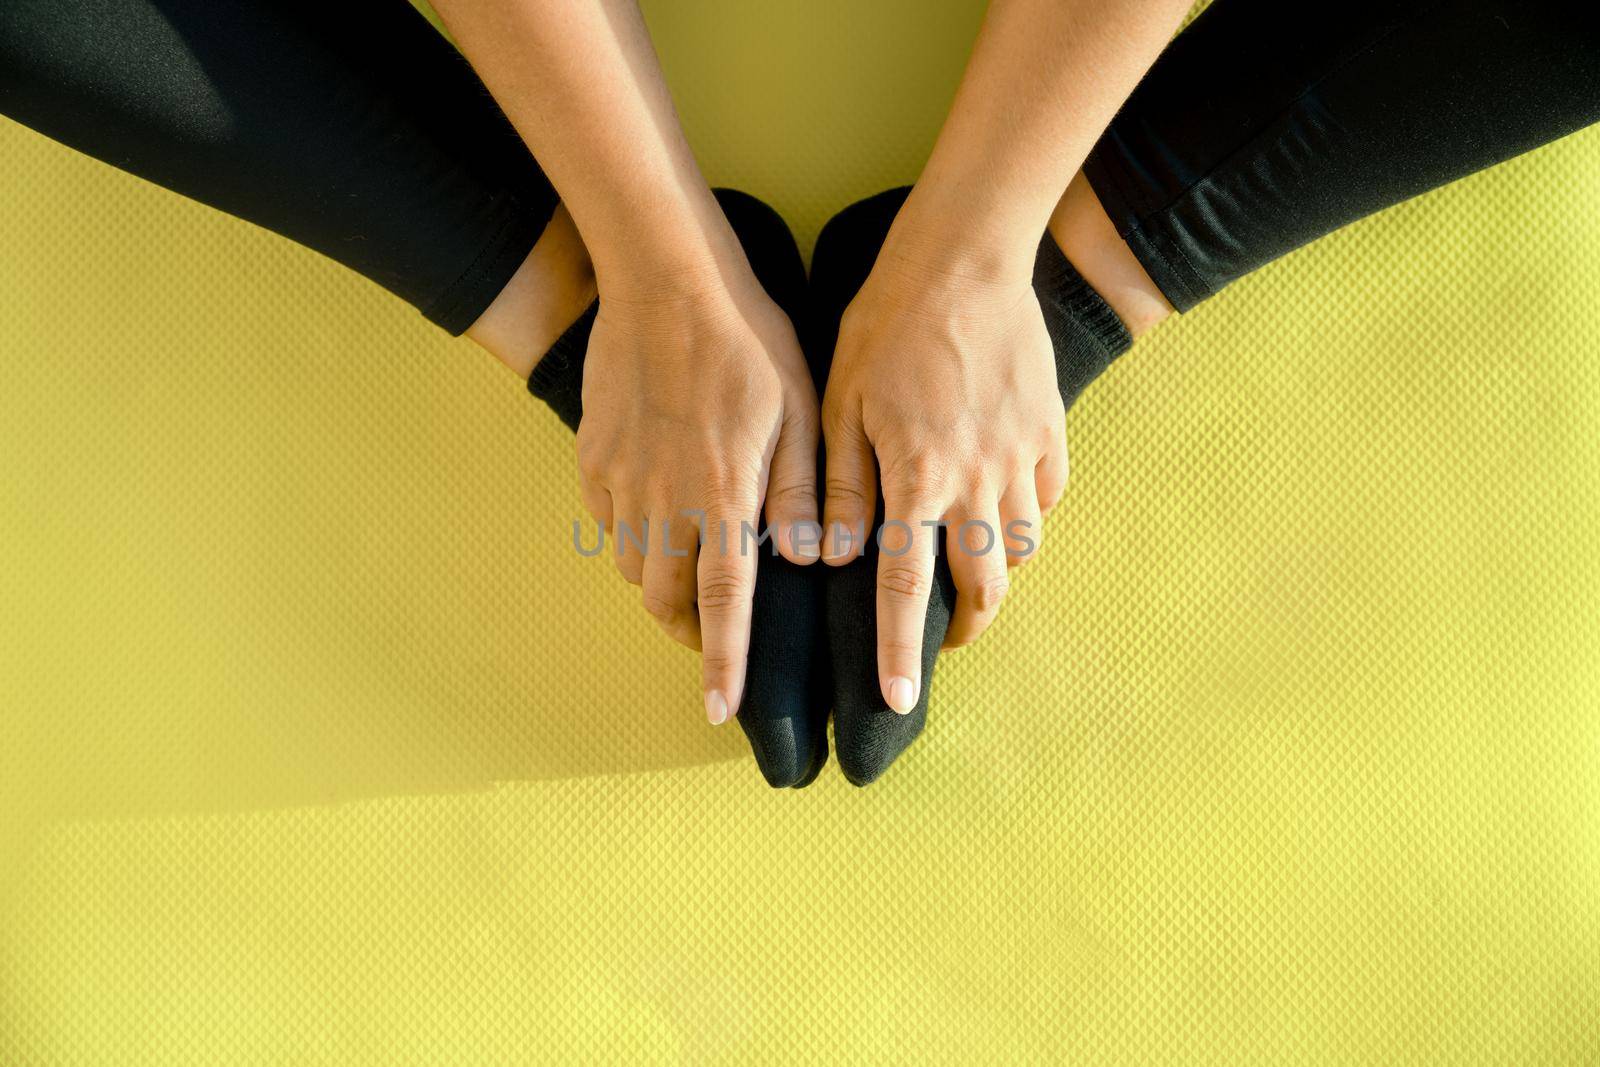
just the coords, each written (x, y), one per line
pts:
(791, 752)
(784, 711)
(820, 761)
(867, 735)
(869, 739)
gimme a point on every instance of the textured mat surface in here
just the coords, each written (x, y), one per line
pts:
(317, 744)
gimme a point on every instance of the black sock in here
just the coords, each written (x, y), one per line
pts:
(784, 712)
(1087, 335)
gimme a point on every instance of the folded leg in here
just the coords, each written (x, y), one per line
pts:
(1262, 127)
(356, 130)
(352, 128)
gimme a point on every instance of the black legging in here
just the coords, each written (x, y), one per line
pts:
(350, 127)
(355, 129)
(1269, 123)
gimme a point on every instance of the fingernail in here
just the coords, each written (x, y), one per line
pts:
(902, 695)
(716, 707)
(805, 537)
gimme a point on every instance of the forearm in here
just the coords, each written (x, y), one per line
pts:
(1045, 78)
(580, 81)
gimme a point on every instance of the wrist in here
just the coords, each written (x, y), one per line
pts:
(667, 296)
(668, 249)
(942, 232)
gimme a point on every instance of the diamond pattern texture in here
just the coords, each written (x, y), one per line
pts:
(319, 745)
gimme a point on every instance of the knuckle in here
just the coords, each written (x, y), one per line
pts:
(838, 423)
(846, 495)
(902, 581)
(1020, 554)
(899, 648)
(591, 461)
(664, 609)
(915, 473)
(721, 593)
(852, 324)
(729, 489)
(715, 663)
(802, 419)
(987, 594)
(800, 497)
(754, 387)
(830, 406)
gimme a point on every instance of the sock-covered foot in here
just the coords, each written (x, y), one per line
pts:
(1087, 335)
(785, 706)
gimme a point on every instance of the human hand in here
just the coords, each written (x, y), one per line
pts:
(697, 402)
(944, 386)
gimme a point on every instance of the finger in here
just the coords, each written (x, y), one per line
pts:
(906, 551)
(978, 565)
(596, 501)
(726, 576)
(1050, 475)
(791, 503)
(630, 539)
(591, 481)
(669, 577)
(1021, 525)
(852, 490)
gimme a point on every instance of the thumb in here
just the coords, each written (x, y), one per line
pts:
(791, 504)
(851, 485)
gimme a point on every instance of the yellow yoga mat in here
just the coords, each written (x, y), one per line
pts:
(319, 745)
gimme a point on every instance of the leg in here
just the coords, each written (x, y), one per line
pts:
(1214, 168)
(352, 128)
(1089, 239)
(784, 713)
(356, 130)
(1087, 335)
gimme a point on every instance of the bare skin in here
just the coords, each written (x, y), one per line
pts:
(1090, 242)
(943, 381)
(580, 81)
(696, 396)
(556, 283)
(554, 286)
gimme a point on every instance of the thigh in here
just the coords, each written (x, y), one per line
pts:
(1267, 124)
(353, 128)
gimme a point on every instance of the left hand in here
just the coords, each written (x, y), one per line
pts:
(944, 385)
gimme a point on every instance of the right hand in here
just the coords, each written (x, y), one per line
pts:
(696, 399)
(943, 387)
